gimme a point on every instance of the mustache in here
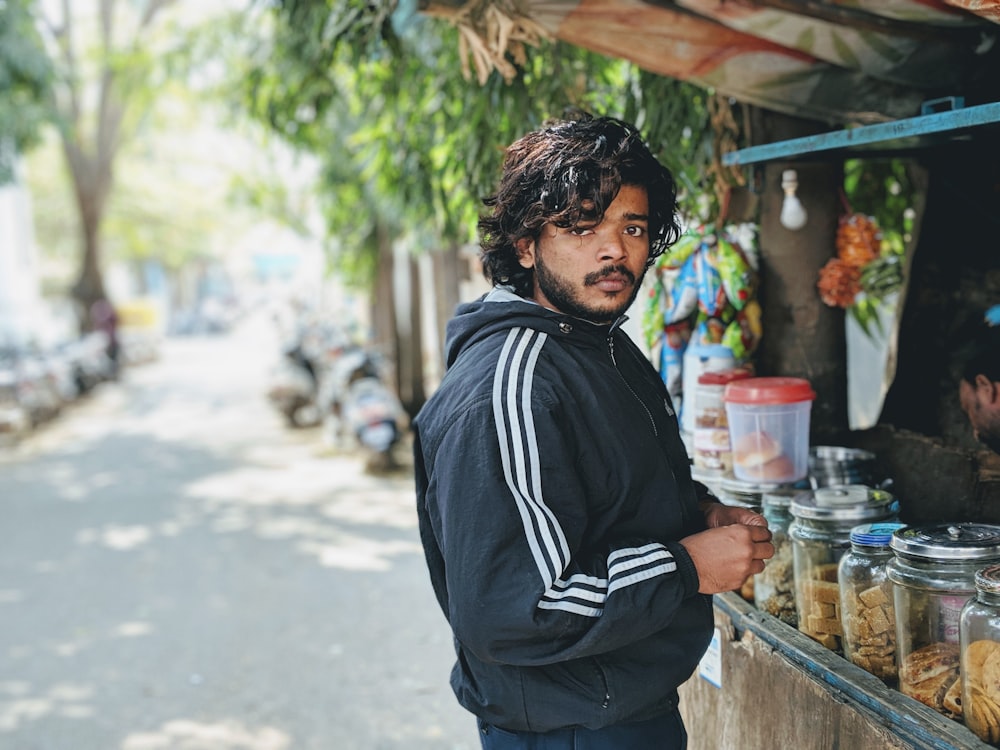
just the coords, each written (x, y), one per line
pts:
(620, 270)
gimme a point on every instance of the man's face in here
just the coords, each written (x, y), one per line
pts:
(592, 271)
(981, 403)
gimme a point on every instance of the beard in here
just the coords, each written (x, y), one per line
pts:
(561, 294)
(989, 435)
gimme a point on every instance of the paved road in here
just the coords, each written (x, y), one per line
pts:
(180, 572)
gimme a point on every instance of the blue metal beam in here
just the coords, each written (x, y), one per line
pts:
(938, 122)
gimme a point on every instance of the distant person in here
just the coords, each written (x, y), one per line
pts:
(567, 544)
(103, 318)
(979, 389)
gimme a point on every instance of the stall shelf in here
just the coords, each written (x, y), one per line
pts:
(907, 131)
(762, 684)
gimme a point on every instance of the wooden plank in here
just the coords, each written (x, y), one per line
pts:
(782, 689)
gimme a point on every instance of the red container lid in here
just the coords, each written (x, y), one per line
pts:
(769, 391)
(721, 377)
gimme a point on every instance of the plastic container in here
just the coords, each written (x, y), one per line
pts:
(769, 428)
(933, 573)
(712, 451)
(698, 359)
(979, 643)
(821, 535)
(774, 587)
(867, 611)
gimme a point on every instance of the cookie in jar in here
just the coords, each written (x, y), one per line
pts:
(979, 638)
(866, 603)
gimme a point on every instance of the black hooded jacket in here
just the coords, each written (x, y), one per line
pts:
(552, 490)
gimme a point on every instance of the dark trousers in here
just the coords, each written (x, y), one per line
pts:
(662, 733)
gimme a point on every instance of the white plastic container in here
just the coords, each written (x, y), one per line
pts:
(712, 452)
(769, 428)
(700, 358)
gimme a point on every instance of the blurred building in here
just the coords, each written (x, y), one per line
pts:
(20, 298)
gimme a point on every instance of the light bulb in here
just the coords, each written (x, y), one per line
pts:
(793, 215)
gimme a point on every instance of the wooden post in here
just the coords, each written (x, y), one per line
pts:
(802, 336)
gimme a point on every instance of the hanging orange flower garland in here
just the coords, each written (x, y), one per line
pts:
(858, 243)
(863, 272)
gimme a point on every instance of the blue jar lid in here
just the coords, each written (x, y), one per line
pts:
(875, 534)
(708, 351)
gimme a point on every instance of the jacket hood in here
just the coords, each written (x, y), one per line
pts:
(501, 309)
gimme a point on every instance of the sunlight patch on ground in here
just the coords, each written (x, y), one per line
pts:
(302, 483)
(116, 537)
(358, 553)
(184, 734)
(18, 707)
(132, 630)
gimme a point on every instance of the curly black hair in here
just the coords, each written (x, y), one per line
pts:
(550, 173)
(981, 356)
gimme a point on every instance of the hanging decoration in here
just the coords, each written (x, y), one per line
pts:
(865, 271)
(703, 292)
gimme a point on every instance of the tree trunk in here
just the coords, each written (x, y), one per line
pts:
(802, 336)
(384, 303)
(89, 286)
(411, 391)
(446, 294)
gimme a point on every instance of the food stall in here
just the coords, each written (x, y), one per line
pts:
(766, 683)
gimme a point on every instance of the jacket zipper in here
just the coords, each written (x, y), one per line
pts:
(611, 351)
(604, 683)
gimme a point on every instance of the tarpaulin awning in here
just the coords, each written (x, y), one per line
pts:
(841, 61)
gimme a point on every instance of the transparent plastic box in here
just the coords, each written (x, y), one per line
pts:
(769, 428)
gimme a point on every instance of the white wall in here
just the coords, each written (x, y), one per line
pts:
(21, 310)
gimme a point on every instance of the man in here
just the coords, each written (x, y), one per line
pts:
(979, 388)
(567, 545)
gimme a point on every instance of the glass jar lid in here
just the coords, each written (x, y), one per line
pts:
(874, 534)
(949, 541)
(779, 499)
(988, 579)
(844, 503)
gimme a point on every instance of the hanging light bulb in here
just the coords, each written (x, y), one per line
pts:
(793, 215)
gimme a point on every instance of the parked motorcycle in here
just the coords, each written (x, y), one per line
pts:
(293, 388)
(359, 407)
(14, 419)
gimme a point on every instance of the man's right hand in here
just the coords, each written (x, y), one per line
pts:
(727, 555)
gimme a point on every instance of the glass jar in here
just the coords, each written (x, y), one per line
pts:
(866, 605)
(979, 641)
(821, 535)
(933, 574)
(740, 494)
(774, 587)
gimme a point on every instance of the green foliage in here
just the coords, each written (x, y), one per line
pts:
(410, 145)
(25, 81)
(881, 189)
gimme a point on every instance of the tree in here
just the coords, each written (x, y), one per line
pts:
(101, 89)
(410, 143)
(25, 78)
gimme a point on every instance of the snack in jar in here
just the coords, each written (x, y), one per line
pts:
(979, 642)
(774, 587)
(933, 572)
(821, 535)
(866, 607)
